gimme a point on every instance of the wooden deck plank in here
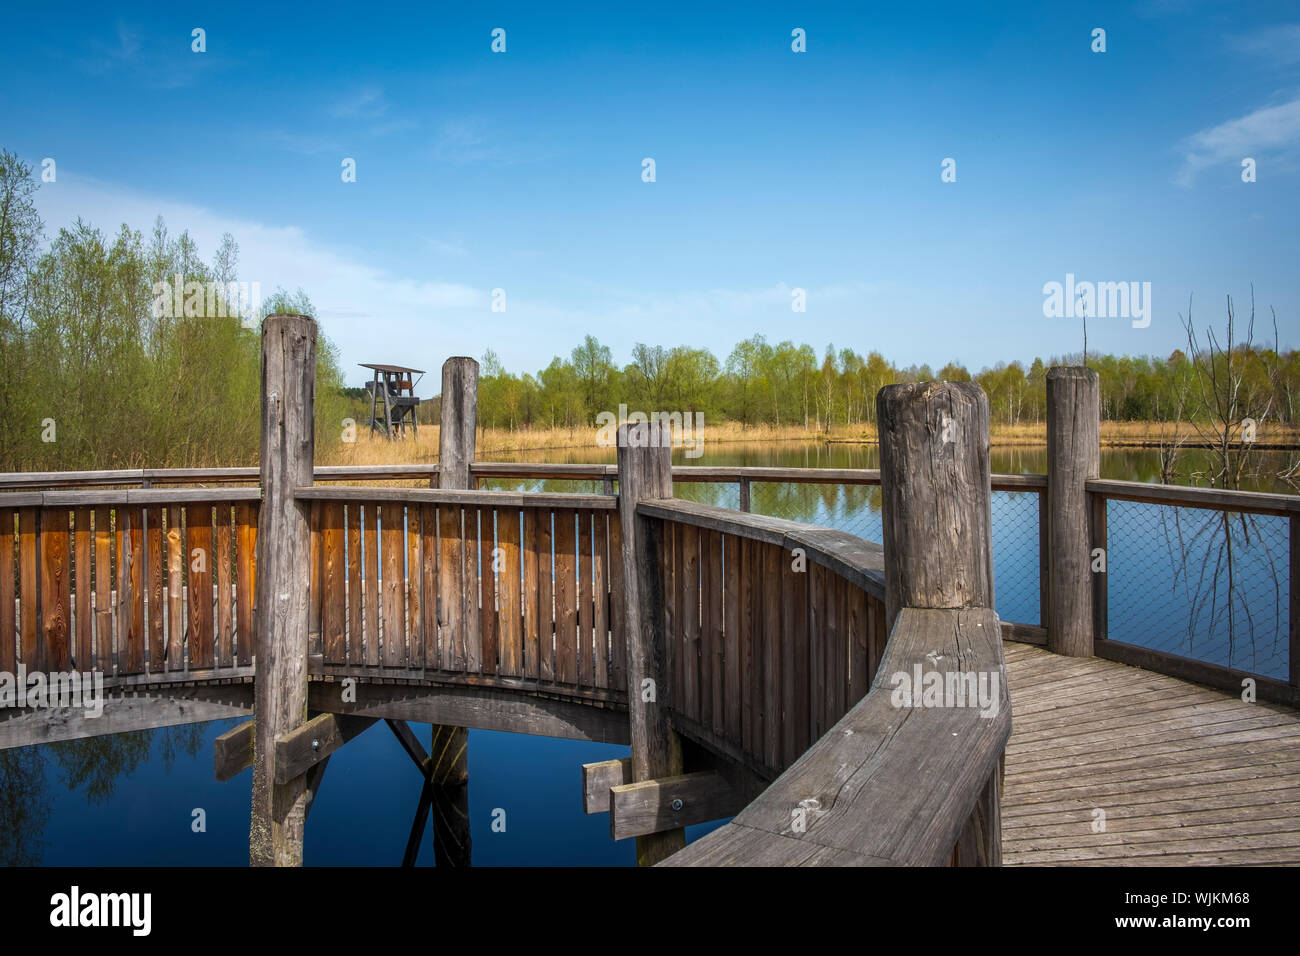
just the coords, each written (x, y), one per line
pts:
(1186, 775)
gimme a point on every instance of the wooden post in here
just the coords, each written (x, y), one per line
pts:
(449, 756)
(459, 420)
(938, 538)
(282, 589)
(645, 473)
(934, 476)
(1073, 456)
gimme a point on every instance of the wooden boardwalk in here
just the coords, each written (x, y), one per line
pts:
(1185, 775)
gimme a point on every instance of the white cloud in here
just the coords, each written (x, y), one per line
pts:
(1270, 128)
(1278, 45)
(366, 103)
(370, 312)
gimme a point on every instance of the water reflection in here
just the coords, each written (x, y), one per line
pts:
(92, 767)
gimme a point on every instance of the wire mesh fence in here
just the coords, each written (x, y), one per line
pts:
(1210, 585)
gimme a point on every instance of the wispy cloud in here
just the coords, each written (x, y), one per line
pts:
(304, 144)
(472, 140)
(1268, 129)
(1277, 45)
(366, 103)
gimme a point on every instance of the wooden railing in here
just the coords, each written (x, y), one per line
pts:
(499, 586)
(775, 628)
(144, 586)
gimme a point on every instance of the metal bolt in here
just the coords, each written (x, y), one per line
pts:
(676, 804)
(315, 745)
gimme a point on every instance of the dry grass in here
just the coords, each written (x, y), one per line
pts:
(501, 443)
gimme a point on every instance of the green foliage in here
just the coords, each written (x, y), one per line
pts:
(93, 340)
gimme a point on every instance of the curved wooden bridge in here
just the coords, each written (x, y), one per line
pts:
(754, 666)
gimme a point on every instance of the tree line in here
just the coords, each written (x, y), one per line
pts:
(760, 383)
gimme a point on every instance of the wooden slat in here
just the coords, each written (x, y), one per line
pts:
(566, 598)
(429, 574)
(81, 568)
(392, 555)
(334, 584)
(600, 591)
(472, 653)
(690, 623)
(356, 619)
(244, 583)
(56, 583)
(532, 518)
(586, 610)
(733, 601)
(711, 630)
(223, 556)
(794, 658)
(488, 573)
(8, 620)
(451, 613)
(546, 594)
(414, 587)
(130, 591)
(370, 581)
(317, 591)
(103, 591)
(509, 616)
(836, 649)
(672, 583)
(772, 670)
(198, 563)
(29, 580)
(617, 613)
(751, 703)
(817, 581)
(176, 564)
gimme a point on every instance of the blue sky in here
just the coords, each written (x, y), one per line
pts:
(774, 169)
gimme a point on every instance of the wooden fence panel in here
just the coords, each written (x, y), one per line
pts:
(198, 559)
(510, 604)
(566, 598)
(370, 580)
(103, 591)
(55, 653)
(245, 518)
(176, 624)
(334, 584)
(222, 556)
(414, 588)
(488, 574)
(8, 618)
(533, 518)
(130, 591)
(155, 539)
(81, 569)
(392, 554)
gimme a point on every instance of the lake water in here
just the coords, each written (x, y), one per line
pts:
(130, 798)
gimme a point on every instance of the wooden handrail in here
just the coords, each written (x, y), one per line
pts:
(1215, 499)
(861, 562)
(857, 786)
(495, 499)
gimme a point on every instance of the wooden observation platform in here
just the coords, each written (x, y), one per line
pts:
(749, 663)
(393, 404)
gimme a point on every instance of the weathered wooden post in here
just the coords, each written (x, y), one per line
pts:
(645, 473)
(1073, 456)
(938, 537)
(934, 476)
(280, 628)
(449, 753)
